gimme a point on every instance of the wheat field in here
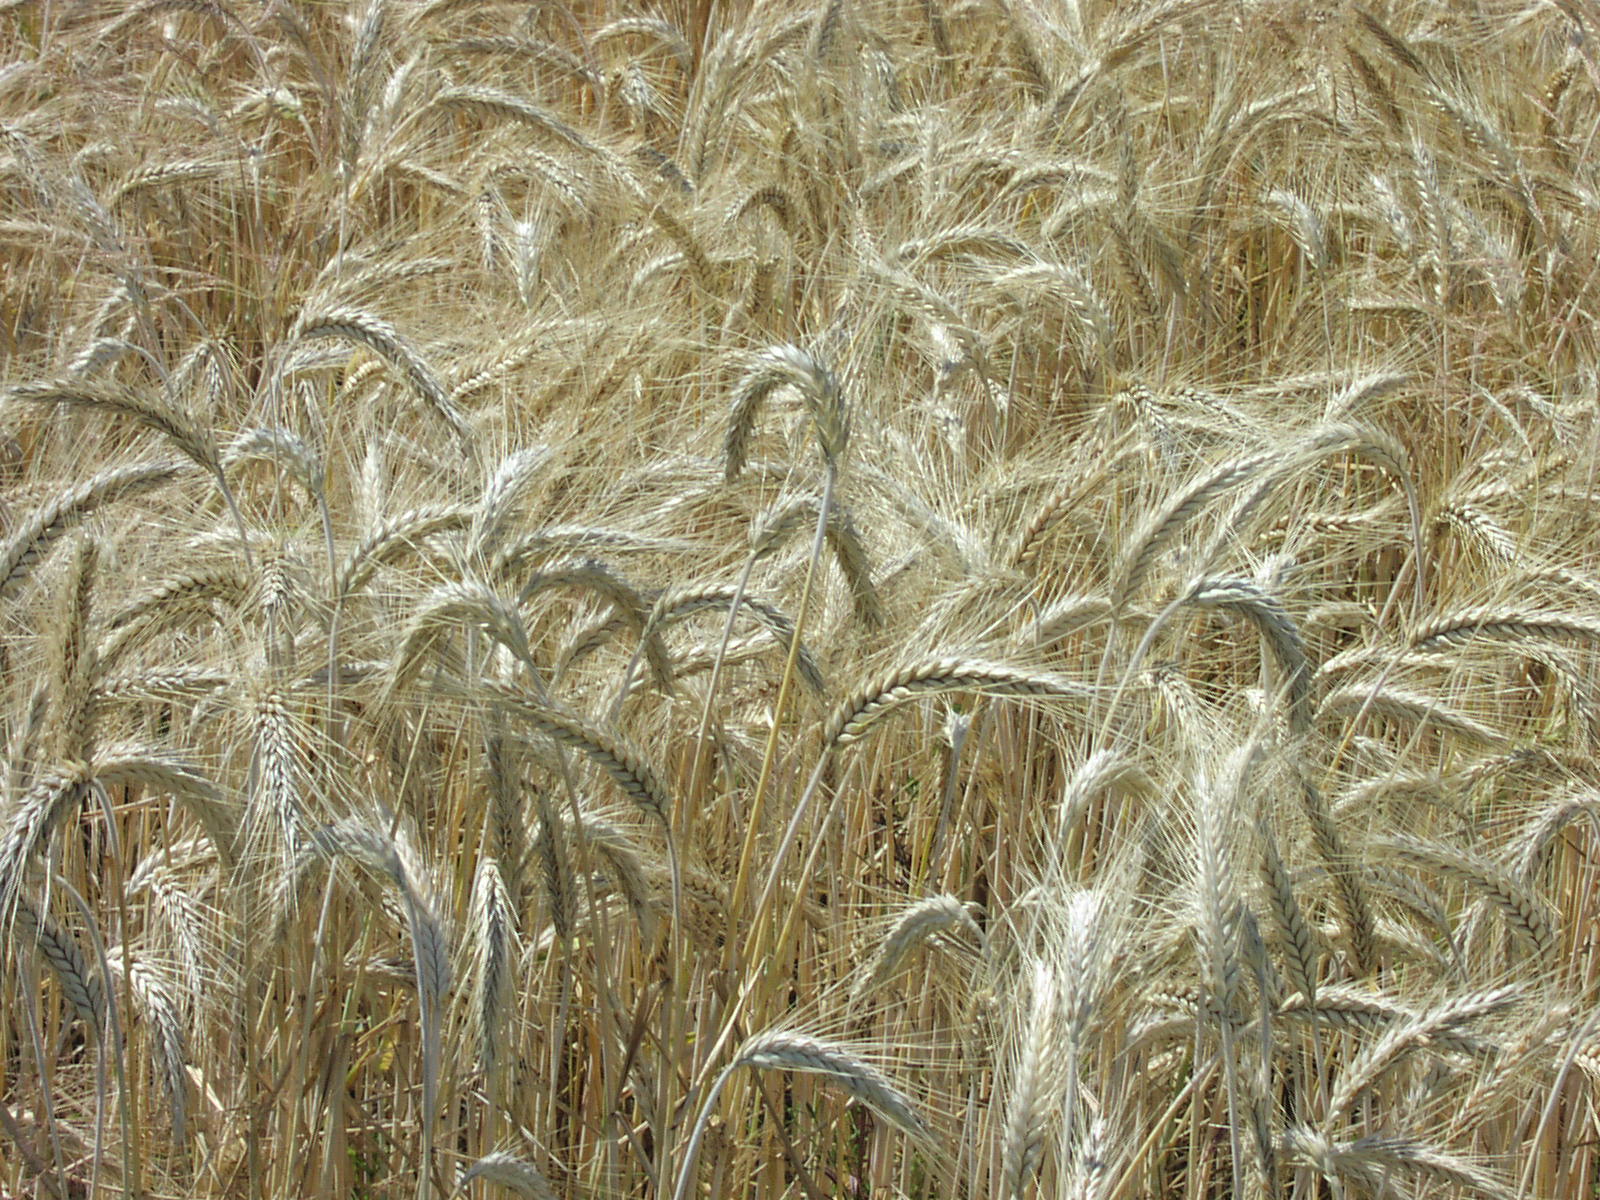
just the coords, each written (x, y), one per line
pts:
(905, 598)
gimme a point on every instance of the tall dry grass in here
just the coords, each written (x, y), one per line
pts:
(910, 598)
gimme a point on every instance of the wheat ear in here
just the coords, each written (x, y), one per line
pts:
(1501, 625)
(501, 495)
(1158, 531)
(395, 860)
(1444, 1020)
(677, 604)
(37, 534)
(83, 988)
(1396, 704)
(917, 923)
(493, 925)
(1526, 914)
(168, 1050)
(853, 719)
(384, 340)
(33, 821)
(787, 1051)
(504, 1169)
(1302, 952)
(1035, 1084)
(177, 427)
(1276, 627)
(816, 383)
(1360, 929)
(394, 537)
(627, 767)
(460, 604)
(777, 525)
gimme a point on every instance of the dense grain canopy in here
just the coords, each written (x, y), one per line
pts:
(771, 598)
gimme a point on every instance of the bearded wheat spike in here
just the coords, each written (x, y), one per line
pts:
(1443, 1020)
(677, 604)
(506, 1170)
(1158, 530)
(32, 823)
(1281, 634)
(36, 535)
(399, 535)
(494, 946)
(782, 1050)
(852, 720)
(384, 340)
(177, 427)
(282, 448)
(808, 375)
(916, 924)
(1502, 625)
(1034, 1086)
(1302, 953)
(79, 982)
(1526, 914)
(168, 1048)
(626, 766)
